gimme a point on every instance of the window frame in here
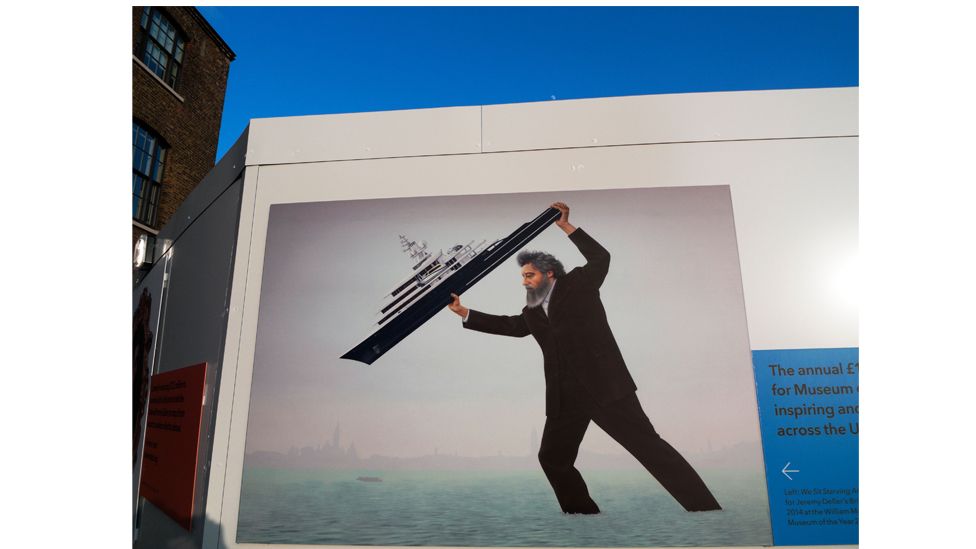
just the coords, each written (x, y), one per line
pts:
(172, 70)
(146, 198)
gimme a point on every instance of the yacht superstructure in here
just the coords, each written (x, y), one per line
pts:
(427, 289)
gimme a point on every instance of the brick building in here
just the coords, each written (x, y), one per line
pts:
(179, 76)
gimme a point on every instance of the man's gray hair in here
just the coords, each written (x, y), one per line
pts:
(542, 261)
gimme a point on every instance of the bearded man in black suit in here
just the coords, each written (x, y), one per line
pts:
(586, 377)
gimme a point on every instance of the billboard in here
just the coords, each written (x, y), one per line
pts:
(437, 442)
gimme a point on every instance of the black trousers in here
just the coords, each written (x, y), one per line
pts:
(626, 422)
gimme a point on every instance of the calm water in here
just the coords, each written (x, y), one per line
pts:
(496, 508)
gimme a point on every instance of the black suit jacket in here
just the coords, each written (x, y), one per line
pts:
(575, 337)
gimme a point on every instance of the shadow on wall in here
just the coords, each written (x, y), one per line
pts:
(162, 532)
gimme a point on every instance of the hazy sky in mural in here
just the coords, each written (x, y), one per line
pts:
(673, 297)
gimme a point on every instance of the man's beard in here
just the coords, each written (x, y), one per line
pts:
(535, 296)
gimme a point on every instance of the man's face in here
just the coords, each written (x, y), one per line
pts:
(536, 284)
(534, 278)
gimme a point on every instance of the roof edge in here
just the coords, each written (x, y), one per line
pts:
(208, 28)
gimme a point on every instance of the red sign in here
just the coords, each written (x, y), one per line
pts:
(169, 457)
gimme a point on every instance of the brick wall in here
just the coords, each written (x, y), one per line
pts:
(190, 127)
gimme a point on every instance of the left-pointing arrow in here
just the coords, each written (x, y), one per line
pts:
(786, 470)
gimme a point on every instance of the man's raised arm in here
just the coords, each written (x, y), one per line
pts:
(597, 257)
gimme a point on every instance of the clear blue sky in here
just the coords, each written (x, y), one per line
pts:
(325, 60)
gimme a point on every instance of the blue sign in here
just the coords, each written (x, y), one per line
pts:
(808, 415)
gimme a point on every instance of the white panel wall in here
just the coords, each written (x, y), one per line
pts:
(294, 139)
(671, 118)
(789, 158)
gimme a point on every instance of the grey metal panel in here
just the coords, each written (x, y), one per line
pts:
(193, 331)
(213, 536)
(216, 181)
(421, 132)
(671, 118)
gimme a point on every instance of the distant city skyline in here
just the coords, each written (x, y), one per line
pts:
(334, 454)
(337, 441)
(346, 446)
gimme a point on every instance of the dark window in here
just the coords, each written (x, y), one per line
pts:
(160, 45)
(148, 155)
